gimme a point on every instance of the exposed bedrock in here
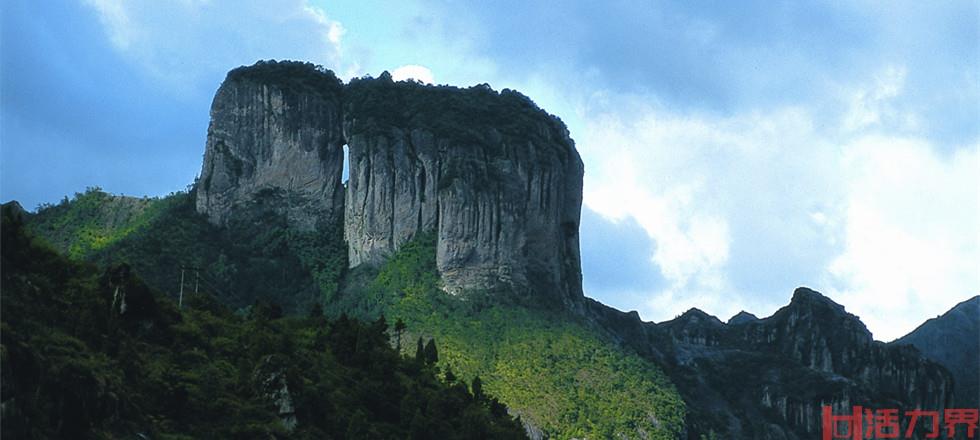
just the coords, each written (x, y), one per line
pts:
(274, 142)
(497, 179)
(494, 177)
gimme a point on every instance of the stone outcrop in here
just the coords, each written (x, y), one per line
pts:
(276, 142)
(270, 382)
(495, 178)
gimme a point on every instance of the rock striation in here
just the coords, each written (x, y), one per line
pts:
(494, 177)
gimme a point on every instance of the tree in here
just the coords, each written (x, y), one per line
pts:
(420, 351)
(316, 311)
(431, 354)
(380, 328)
(450, 377)
(399, 328)
(477, 388)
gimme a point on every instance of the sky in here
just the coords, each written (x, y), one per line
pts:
(733, 150)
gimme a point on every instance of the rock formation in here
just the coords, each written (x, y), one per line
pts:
(276, 140)
(495, 178)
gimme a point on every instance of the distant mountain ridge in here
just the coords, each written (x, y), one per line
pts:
(953, 340)
(768, 378)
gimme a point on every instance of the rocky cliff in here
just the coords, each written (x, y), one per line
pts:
(275, 139)
(494, 177)
(498, 180)
(768, 378)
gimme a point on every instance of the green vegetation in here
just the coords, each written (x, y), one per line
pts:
(93, 220)
(259, 256)
(296, 77)
(550, 367)
(86, 355)
(547, 366)
(444, 110)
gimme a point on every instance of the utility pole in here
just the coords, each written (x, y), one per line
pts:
(197, 281)
(180, 299)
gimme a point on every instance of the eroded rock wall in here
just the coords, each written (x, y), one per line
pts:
(274, 141)
(505, 208)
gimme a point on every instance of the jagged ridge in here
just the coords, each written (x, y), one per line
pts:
(767, 378)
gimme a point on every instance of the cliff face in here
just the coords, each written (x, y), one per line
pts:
(497, 179)
(270, 137)
(768, 378)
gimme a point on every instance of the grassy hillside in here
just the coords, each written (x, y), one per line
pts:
(259, 257)
(546, 365)
(93, 220)
(91, 354)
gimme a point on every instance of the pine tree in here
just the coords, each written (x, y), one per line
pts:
(399, 328)
(431, 354)
(477, 388)
(316, 311)
(450, 377)
(419, 351)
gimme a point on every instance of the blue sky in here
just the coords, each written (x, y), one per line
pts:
(733, 150)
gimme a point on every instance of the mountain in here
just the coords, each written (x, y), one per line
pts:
(460, 219)
(479, 251)
(953, 340)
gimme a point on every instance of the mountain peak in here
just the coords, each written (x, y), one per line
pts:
(807, 295)
(806, 298)
(742, 317)
(696, 316)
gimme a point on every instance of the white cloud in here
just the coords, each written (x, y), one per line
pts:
(911, 249)
(703, 187)
(413, 72)
(186, 44)
(866, 211)
(871, 106)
